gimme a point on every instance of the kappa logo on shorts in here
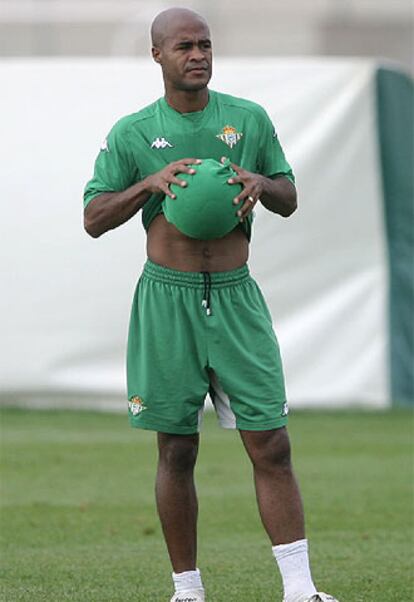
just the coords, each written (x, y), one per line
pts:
(136, 405)
(285, 410)
(104, 146)
(230, 136)
(161, 143)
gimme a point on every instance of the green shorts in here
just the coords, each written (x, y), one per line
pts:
(193, 333)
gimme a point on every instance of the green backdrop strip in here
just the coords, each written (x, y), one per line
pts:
(395, 102)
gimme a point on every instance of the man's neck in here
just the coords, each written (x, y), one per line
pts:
(187, 101)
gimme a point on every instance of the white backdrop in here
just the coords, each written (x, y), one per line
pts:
(65, 297)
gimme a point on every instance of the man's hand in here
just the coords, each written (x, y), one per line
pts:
(252, 189)
(277, 194)
(111, 209)
(162, 180)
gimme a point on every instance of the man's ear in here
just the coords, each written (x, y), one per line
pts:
(156, 54)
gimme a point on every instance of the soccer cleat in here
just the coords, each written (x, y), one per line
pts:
(195, 596)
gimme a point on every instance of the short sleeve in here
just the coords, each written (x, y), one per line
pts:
(271, 160)
(115, 168)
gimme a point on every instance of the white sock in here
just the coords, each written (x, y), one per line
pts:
(188, 581)
(293, 562)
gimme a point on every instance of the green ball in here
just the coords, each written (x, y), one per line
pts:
(204, 209)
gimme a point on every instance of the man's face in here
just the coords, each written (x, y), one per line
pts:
(186, 55)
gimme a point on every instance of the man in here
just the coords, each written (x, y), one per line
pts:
(197, 313)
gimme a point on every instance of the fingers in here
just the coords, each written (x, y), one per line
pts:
(246, 200)
(181, 166)
(178, 181)
(176, 168)
(173, 180)
(235, 167)
(249, 192)
(189, 161)
(235, 180)
(247, 207)
(252, 189)
(238, 179)
(164, 187)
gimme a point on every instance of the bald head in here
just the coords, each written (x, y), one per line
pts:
(181, 45)
(165, 24)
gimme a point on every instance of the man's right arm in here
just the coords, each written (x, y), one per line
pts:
(111, 209)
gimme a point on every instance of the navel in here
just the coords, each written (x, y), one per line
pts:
(206, 252)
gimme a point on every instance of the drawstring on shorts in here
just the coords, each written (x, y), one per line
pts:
(207, 281)
(206, 294)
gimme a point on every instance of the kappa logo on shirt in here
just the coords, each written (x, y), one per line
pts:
(161, 143)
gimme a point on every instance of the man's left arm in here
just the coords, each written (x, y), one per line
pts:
(279, 195)
(273, 182)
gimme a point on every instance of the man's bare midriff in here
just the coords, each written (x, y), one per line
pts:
(168, 247)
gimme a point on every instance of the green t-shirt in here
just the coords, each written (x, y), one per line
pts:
(143, 143)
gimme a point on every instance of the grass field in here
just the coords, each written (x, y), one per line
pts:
(79, 523)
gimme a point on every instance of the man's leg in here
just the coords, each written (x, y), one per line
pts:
(277, 491)
(281, 510)
(176, 498)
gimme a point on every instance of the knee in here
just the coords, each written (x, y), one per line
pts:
(270, 450)
(177, 453)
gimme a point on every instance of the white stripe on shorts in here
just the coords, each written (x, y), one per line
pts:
(221, 402)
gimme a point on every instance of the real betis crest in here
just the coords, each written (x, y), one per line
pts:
(230, 136)
(136, 405)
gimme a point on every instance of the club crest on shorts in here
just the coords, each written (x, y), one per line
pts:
(136, 405)
(230, 136)
(285, 410)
